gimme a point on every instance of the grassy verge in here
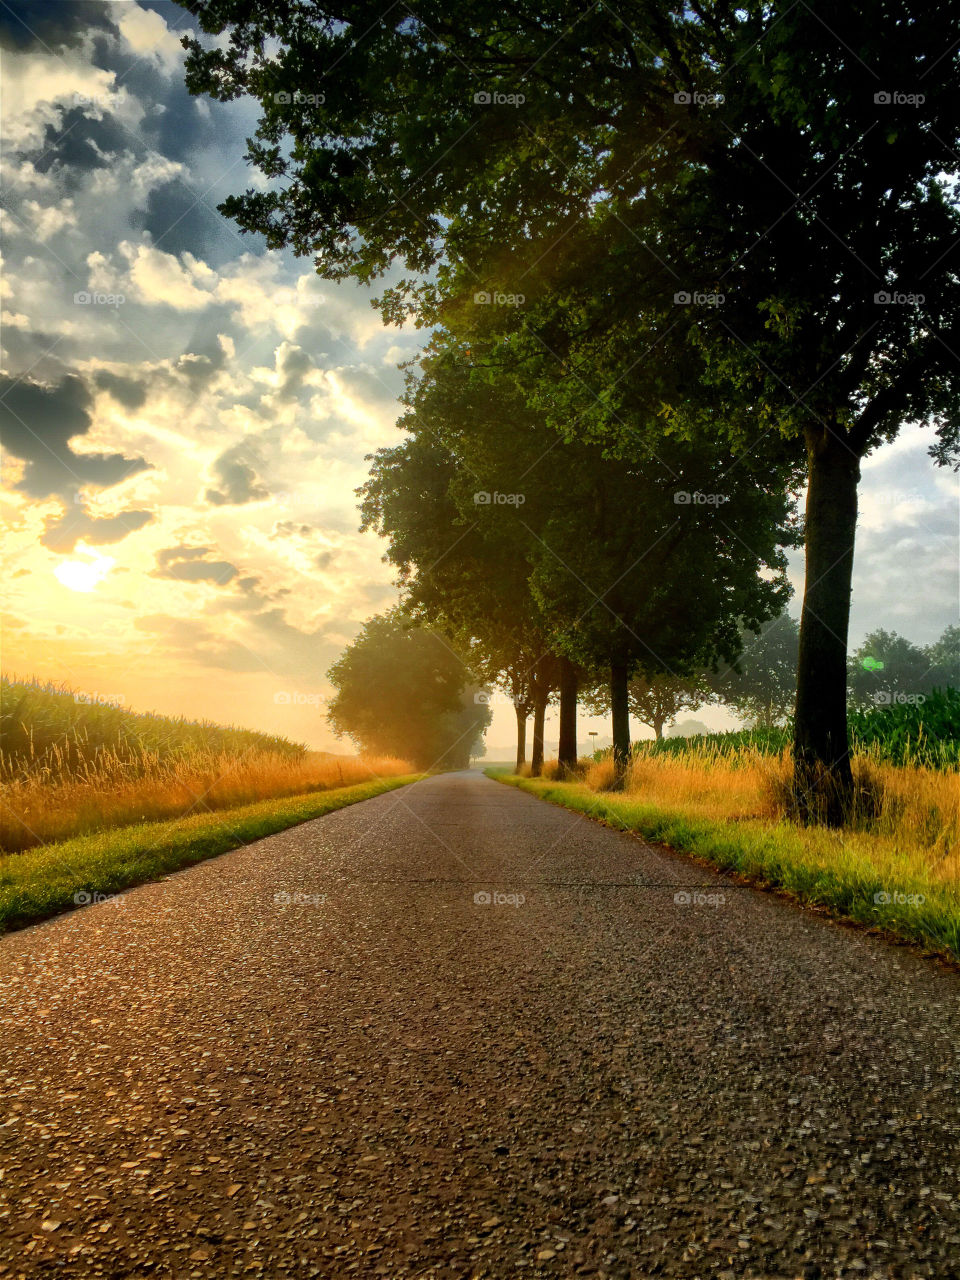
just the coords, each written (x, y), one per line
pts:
(43, 881)
(826, 869)
(39, 806)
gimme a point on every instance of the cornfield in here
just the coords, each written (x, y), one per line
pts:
(71, 767)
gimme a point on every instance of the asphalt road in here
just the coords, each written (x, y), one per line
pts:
(387, 1077)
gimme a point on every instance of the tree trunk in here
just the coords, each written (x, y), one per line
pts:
(569, 683)
(521, 735)
(620, 709)
(823, 782)
(539, 715)
(658, 730)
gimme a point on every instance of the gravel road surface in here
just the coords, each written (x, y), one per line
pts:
(456, 1032)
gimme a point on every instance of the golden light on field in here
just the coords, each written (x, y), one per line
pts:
(83, 575)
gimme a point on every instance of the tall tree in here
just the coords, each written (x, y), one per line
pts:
(461, 569)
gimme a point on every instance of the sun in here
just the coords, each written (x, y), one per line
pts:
(81, 575)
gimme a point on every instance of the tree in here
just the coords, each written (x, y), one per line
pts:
(658, 700)
(655, 700)
(604, 559)
(458, 571)
(632, 577)
(665, 156)
(944, 659)
(761, 686)
(888, 667)
(404, 691)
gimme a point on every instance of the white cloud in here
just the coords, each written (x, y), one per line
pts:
(184, 283)
(149, 36)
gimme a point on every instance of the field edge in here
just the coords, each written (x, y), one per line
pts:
(53, 878)
(748, 853)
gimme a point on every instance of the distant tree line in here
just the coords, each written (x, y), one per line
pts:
(678, 261)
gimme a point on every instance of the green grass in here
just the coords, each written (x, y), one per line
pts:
(781, 856)
(44, 881)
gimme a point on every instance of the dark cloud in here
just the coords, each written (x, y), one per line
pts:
(126, 391)
(190, 564)
(293, 365)
(36, 424)
(237, 478)
(62, 533)
(377, 389)
(291, 529)
(52, 23)
(178, 219)
(78, 142)
(34, 349)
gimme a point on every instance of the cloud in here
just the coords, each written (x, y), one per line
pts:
(62, 533)
(190, 564)
(182, 282)
(237, 478)
(38, 421)
(129, 392)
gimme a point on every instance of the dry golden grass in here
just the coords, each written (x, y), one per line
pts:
(913, 823)
(37, 810)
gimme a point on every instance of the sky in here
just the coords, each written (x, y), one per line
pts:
(185, 415)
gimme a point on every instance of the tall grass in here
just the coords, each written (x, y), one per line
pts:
(913, 815)
(37, 810)
(52, 732)
(73, 763)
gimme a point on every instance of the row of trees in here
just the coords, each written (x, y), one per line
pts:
(734, 235)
